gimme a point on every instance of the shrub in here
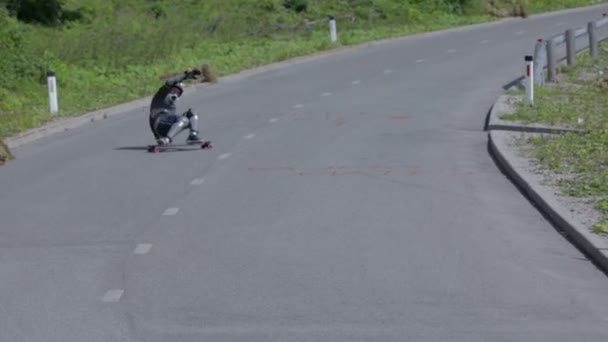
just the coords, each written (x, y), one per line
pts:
(296, 5)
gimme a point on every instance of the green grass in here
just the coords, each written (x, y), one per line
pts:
(119, 50)
(581, 159)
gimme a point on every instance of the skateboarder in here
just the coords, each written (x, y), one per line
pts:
(165, 123)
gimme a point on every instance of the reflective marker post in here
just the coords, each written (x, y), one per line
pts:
(52, 86)
(332, 29)
(529, 79)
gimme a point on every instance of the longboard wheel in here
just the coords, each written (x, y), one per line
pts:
(153, 149)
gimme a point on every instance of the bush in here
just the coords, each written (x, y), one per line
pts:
(296, 5)
(47, 12)
(18, 62)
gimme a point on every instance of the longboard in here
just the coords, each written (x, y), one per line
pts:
(162, 148)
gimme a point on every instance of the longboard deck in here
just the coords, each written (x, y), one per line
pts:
(179, 147)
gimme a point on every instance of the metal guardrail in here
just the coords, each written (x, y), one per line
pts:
(545, 54)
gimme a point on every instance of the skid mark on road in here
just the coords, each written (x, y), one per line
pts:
(335, 170)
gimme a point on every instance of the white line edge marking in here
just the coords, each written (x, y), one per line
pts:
(388, 71)
(356, 82)
(113, 295)
(273, 120)
(170, 211)
(520, 32)
(142, 248)
(485, 41)
(249, 136)
(326, 94)
(451, 50)
(224, 156)
(197, 181)
(419, 60)
(298, 106)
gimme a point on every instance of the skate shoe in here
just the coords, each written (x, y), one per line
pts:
(163, 141)
(193, 138)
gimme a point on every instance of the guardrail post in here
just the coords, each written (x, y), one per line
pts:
(333, 35)
(529, 79)
(592, 39)
(551, 60)
(571, 46)
(540, 62)
(52, 86)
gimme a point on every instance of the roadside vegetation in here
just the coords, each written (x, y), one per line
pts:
(106, 52)
(579, 100)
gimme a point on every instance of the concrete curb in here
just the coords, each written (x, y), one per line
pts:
(592, 245)
(506, 105)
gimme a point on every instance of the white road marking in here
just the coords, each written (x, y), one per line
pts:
(197, 181)
(388, 71)
(326, 94)
(273, 120)
(170, 211)
(356, 82)
(298, 106)
(419, 60)
(560, 24)
(519, 33)
(142, 248)
(224, 156)
(249, 136)
(485, 41)
(451, 50)
(113, 295)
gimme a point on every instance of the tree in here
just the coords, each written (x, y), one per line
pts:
(46, 12)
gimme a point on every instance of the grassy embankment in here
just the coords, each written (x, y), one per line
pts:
(579, 100)
(118, 50)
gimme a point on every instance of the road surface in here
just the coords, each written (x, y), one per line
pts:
(348, 198)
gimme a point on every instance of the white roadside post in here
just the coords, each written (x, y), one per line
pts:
(333, 35)
(529, 79)
(52, 86)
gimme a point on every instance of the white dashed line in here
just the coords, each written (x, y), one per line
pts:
(273, 120)
(142, 248)
(197, 181)
(485, 41)
(298, 106)
(451, 50)
(356, 82)
(419, 60)
(388, 71)
(250, 136)
(170, 211)
(519, 33)
(326, 94)
(113, 295)
(224, 156)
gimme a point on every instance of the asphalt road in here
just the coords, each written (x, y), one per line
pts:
(349, 198)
